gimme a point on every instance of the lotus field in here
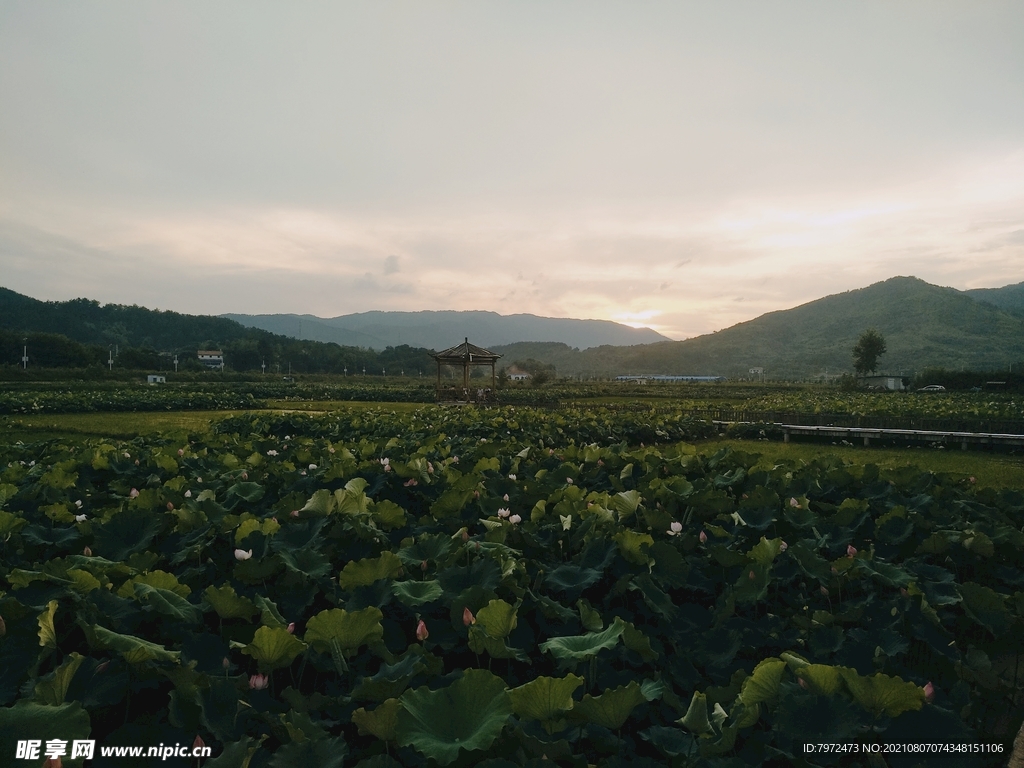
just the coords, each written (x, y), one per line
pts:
(500, 588)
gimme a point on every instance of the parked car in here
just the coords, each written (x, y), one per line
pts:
(932, 388)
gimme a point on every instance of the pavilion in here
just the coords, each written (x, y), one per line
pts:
(463, 356)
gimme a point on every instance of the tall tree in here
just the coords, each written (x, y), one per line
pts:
(869, 347)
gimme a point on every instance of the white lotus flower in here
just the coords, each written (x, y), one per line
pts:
(243, 554)
(504, 512)
(515, 519)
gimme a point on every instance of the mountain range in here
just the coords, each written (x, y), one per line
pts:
(924, 325)
(440, 330)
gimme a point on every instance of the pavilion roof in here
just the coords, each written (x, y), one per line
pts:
(466, 353)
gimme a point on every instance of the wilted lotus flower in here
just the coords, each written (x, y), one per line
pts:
(851, 550)
(134, 493)
(503, 512)
(243, 554)
(468, 617)
(258, 682)
(929, 692)
(674, 528)
(515, 519)
(783, 546)
(421, 631)
(703, 538)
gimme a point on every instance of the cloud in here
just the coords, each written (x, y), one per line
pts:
(391, 265)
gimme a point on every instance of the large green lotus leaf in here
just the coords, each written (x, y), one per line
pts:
(158, 579)
(430, 547)
(655, 596)
(53, 688)
(611, 709)
(637, 641)
(672, 741)
(810, 562)
(269, 613)
(351, 500)
(752, 585)
(348, 630)
(632, 544)
(392, 679)
(320, 503)
(571, 578)
(227, 604)
(362, 573)
(236, 754)
(986, 607)
(545, 698)
(497, 618)
(589, 618)
(274, 647)
(246, 491)
(47, 633)
(166, 602)
(412, 593)
(469, 714)
(10, 523)
(696, 717)
(387, 514)
(821, 678)
(765, 551)
(382, 722)
(881, 694)
(134, 650)
(625, 503)
(495, 647)
(577, 648)
(887, 573)
(127, 532)
(305, 561)
(28, 720)
(763, 683)
(322, 753)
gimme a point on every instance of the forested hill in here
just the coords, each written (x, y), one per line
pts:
(925, 326)
(80, 332)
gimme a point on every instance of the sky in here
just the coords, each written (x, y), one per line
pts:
(679, 165)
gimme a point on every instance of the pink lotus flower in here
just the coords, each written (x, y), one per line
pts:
(243, 554)
(674, 528)
(134, 493)
(512, 477)
(455, 459)
(515, 519)
(421, 631)
(312, 466)
(181, 451)
(330, 450)
(259, 682)
(972, 479)
(291, 628)
(703, 538)
(929, 692)
(851, 551)
(468, 617)
(504, 512)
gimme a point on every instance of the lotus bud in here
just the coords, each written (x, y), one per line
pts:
(794, 503)
(929, 692)
(226, 663)
(136, 462)
(53, 762)
(751, 576)
(188, 494)
(421, 631)
(851, 551)
(102, 667)
(703, 538)
(3, 627)
(245, 475)
(170, 506)
(259, 682)
(243, 554)
(134, 493)
(468, 617)
(802, 683)
(824, 591)
(515, 519)
(903, 591)
(465, 535)
(291, 628)
(87, 552)
(476, 494)
(294, 513)
(181, 451)
(198, 743)
(312, 466)
(423, 565)
(568, 480)
(783, 546)
(505, 497)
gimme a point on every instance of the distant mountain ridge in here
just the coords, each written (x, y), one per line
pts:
(925, 326)
(441, 329)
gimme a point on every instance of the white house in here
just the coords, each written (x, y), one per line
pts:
(516, 374)
(211, 358)
(154, 379)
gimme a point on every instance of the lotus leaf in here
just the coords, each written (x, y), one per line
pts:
(348, 629)
(362, 573)
(545, 698)
(274, 647)
(227, 604)
(382, 722)
(611, 709)
(134, 650)
(469, 714)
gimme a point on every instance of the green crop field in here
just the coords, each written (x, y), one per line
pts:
(422, 586)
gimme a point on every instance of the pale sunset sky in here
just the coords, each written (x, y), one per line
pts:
(680, 165)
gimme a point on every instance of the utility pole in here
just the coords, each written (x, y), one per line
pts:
(24, 356)
(175, 363)
(263, 367)
(110, 359)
